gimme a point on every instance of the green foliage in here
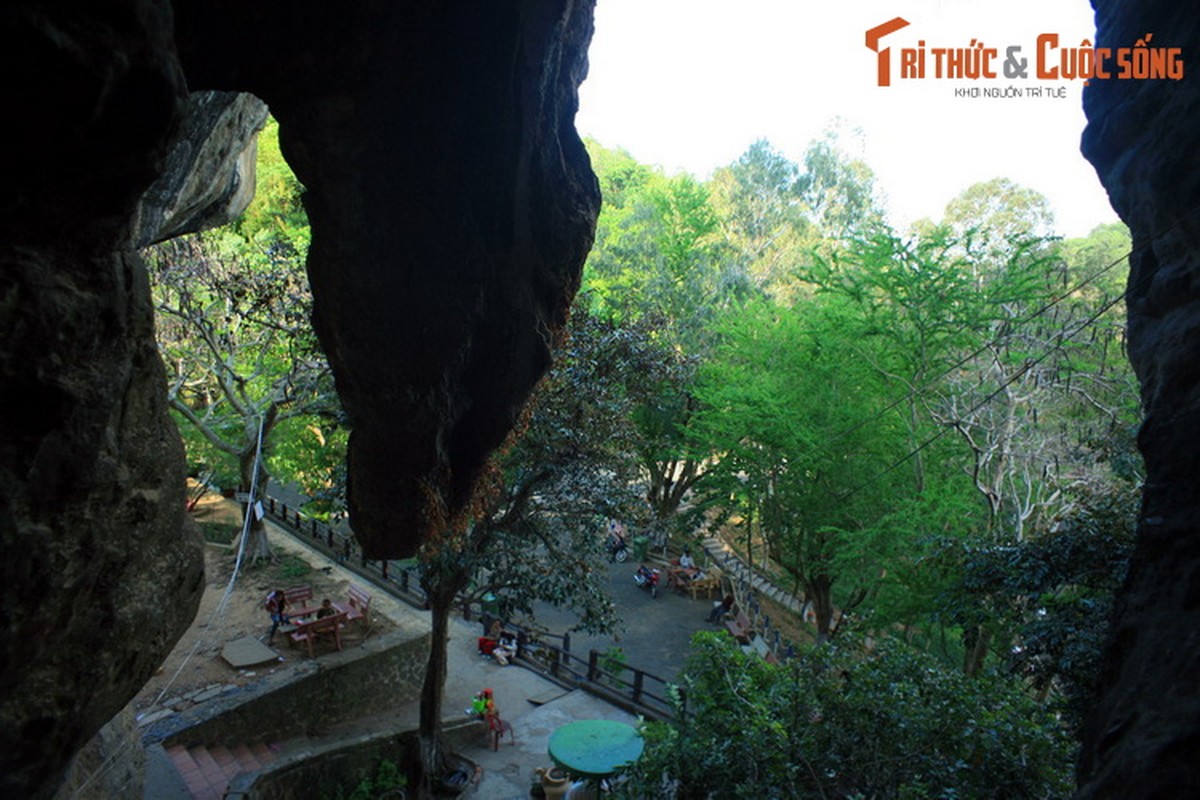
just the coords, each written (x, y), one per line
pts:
(275, 218)
(309, 450)
(388, 777)
(1048, 600)
(219, 532)
(838, 722)
(790, 409)
(613, 663)
(988, 218)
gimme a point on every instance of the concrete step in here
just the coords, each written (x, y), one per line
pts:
(207, 770)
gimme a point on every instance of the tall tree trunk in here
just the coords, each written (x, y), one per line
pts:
(258, 547)
(821, 590)
(977, 641)
(433, 759)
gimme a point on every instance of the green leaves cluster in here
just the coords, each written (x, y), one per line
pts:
(844, 721)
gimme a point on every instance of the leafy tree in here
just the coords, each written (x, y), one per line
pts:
(538, 530)
(660, 264)
(789, 411)
(991, 218)
(839, 191)
(275, 219)
(839, 722)
(915, 308)
(776, 212)
(1046, 601)
(239, 351)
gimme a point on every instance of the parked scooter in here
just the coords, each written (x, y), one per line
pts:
(647, 578)
(618, 550)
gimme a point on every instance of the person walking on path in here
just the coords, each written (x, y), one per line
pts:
(276, 604)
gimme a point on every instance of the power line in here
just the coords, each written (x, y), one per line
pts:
(1025, 368)
(933, 381)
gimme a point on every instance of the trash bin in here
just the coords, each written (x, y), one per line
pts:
(641, 547)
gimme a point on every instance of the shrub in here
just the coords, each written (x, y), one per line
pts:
(838, 722)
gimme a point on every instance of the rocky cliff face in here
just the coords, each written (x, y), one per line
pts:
(101, 571)
(1143, 137)
(452, 207)
(208, 178)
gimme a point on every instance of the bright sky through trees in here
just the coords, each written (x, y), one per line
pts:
(689, 84)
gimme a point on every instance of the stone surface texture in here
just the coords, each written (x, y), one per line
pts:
(101, 570)
(209, 175)
(1143, 137)
(452, 206)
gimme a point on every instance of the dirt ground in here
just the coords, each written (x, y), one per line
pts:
(196, 661)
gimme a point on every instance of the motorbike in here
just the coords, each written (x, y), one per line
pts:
(647, 578)
(618, 550)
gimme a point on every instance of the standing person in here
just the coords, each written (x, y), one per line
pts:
(276, 604)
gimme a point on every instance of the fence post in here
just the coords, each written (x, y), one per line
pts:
(554, 661)
(593, 665)
(638, 677)
(404, 580)
(566, 642)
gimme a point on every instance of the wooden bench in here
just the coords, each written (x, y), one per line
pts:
(740, 627)
(357, 607)
(310, 631)
(298, 599)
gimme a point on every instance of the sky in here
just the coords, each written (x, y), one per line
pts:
(690, 84)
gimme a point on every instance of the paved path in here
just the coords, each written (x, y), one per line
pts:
(656, 633)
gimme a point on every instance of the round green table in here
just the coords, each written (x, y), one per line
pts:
(595, 748)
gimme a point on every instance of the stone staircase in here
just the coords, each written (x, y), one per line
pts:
(208, 770)
(736, 569)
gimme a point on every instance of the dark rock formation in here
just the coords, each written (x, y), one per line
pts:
(451, 203)
(101, 571)
(1143, 137)
(208, 179)
(452, 206)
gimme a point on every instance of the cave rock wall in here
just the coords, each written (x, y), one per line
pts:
(101, 570)
(1143, 137)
